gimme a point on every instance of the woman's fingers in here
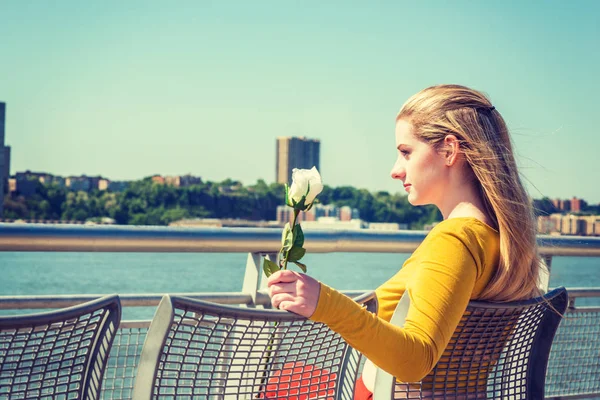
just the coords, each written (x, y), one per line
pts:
(281, 287)
(299, 305)
(283, 276)
(277, 299)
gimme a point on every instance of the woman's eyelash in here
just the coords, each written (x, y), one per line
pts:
(404, 152)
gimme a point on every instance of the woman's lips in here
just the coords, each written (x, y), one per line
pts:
(406, 187)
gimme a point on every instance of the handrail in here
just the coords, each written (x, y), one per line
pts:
(78, 238)
(127, 300)
(21, 302)
(576, 292)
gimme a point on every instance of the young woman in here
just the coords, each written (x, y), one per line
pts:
(454, 151)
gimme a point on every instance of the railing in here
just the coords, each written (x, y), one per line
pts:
(77, 238)
(573, 371)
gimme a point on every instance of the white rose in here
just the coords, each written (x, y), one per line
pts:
(305, 182)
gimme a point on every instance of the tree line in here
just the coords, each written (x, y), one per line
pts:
(145, 202)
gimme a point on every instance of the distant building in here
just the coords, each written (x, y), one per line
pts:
(26, 183)
(572, 225)
(177, 180)
(48, 179)
(327, 210)
(158, 179)
(546, 225)
(333, 223)
(94, 181)
(577, 204)
(281, 214)
(4, 158)
(348, 214)
(189, 180)
(573, 205)
(591, 225)
(78, 183)
(286, 214)
(324, 215)
(387, 226)
(559, 224)
(295, 152)
(12, 185)
(6, 173)
(103, 184)
(117, 186)
(173, 181)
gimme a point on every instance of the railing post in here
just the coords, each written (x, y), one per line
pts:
(251, 276)
(548, 261)
(263, 277)
(254, 277)
(545, 280)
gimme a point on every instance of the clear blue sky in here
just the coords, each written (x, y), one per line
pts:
(130, 89)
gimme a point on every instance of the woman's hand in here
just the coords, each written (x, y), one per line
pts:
(295, 292)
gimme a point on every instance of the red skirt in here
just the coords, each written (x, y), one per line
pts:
(297, 381)
(361, 392)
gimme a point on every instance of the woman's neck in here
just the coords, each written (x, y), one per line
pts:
(465, 201)
(466, 209)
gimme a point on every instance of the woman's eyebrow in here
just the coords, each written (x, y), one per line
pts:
(402, 145)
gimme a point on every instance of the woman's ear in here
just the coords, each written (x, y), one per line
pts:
(451, 149)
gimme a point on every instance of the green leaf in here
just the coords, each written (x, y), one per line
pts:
(287, 238)
(298, 236)
(296, 253)
(270, 267)
(301, 266)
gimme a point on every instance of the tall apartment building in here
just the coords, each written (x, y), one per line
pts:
(4, 158)
(295, 152)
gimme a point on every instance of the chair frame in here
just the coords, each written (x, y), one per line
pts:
(163, 318)
(558, 301)
(96, 362)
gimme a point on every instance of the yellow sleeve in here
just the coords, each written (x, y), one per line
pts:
(439, 289)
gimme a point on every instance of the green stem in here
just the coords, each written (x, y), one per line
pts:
(270, 351)
(296, 212)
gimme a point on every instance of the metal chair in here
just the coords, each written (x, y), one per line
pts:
(197, 349)
(58, 354)
(498, 351)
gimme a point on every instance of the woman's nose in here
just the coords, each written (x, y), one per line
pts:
(398, 171)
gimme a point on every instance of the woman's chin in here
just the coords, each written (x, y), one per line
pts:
(412, 199)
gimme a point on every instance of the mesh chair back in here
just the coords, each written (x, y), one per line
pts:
(498, 351)
(59, 354)
(205, 350)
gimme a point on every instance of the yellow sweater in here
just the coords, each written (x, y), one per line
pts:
(451, 266)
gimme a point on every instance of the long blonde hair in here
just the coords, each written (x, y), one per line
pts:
(485, 142)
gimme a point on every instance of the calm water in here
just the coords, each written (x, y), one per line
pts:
(103, 273)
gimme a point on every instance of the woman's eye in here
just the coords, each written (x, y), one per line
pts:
(404, 153)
